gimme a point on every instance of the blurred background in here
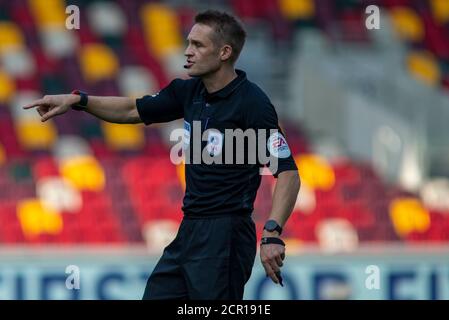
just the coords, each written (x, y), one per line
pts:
(86, 207)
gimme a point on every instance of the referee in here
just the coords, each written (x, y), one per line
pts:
(213, 253)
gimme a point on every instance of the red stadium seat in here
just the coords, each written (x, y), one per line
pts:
(142, 185)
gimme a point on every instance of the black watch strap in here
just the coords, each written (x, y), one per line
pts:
(272, 225)
(269, 240)
(82, 105)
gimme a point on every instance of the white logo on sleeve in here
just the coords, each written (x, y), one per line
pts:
(277, 145)
(214, 143)
(186, 137)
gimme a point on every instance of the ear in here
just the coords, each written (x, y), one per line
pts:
(225, 52)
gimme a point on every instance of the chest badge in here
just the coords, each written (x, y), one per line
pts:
(214, 142)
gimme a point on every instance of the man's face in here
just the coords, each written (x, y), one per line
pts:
(203, 55)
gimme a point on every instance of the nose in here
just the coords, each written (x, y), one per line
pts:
(188, 52)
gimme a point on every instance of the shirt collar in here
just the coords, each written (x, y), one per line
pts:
(228, 89)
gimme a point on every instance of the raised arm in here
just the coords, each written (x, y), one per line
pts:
(111, 109)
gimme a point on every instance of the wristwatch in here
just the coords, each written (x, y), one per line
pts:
(272, 225)
(82, 105)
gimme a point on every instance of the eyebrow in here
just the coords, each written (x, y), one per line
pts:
(194, 40)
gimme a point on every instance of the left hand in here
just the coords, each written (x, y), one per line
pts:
(272, 256)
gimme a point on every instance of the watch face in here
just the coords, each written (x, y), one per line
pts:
(271, 225)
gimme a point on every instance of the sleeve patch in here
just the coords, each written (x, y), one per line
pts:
(277, 146)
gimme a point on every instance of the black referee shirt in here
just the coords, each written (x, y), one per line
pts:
(226, 187)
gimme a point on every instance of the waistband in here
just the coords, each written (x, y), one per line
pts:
(216, 216)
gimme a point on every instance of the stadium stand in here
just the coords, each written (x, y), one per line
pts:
(77, 180)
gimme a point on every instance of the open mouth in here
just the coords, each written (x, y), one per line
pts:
(188, 65)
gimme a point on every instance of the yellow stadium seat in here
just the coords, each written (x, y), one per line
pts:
(407, 23)
(440, 10)
(84, 172)
(315, 171)
(162, 31)
(297, 9)
(36, 135)
(11, 37)
(293, 244)
(424, 67)
(409, 215)
(36, 219)
(98, 62)
(7, 87)
(181, 172)
(123, 136)
(2, 155)
(48, 13)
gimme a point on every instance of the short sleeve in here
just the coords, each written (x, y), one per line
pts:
(262, 116)
(164, 106)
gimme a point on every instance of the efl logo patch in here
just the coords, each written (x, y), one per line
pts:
(186, 137)
(214, 143)
(277, 146)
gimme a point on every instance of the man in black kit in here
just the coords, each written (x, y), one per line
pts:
(213, 253)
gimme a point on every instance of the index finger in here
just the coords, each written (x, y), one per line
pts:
(35, 103)
(278, 275)
(269, 272)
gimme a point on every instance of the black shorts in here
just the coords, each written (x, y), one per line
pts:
(210, 258)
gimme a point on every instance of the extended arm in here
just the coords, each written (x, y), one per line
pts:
(111, 109)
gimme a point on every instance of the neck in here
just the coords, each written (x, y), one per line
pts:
(219, 79)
